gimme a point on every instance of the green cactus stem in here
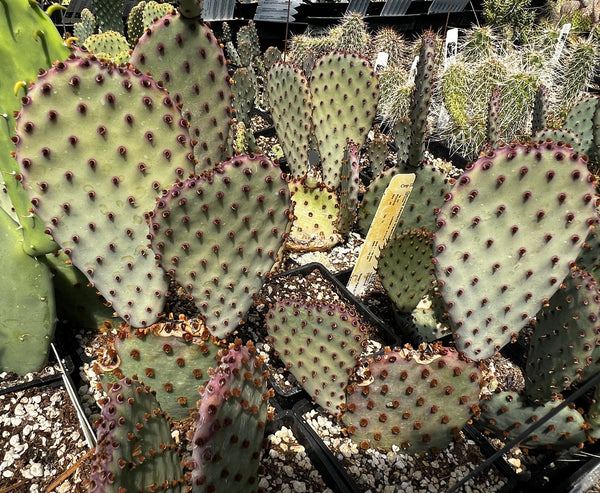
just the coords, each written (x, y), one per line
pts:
(509, 231)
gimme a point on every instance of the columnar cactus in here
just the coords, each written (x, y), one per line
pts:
(135, 450)
(232, 415)
(415, 399)
(509, 231)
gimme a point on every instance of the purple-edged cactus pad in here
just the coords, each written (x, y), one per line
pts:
(95, 145)
(217, 234)
(509, 231)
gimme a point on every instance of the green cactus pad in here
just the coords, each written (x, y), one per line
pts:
(507, 414)
(244, 93)
(135, 450)
(580, 120)
(28, 310)
(154, 11)
(292, 115)
(232, 415)
(509, 231)
(87, 26)
(219, 233)
(95, 146)
(135, 22)
(561, 135)
(173, 366)
(316, 213)
(29, 41)
(564, 337)
(405, 267)
(539, 119)
(111, 44)
(417, 400)
(377, 153)
(186, 58)
(344, 93)
(320, 344)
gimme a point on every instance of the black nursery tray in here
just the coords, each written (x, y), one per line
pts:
(50, 375)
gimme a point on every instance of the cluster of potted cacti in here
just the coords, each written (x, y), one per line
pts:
(134, 186)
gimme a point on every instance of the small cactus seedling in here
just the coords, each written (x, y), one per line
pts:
(509, 231)
(564, 337)
(184, 56)
(95, 146)
(135, 450)
(320, 344)
(217, 234)
(415, 399)
(173, 366)
(405, 267)
(231, 423)
(507, 414)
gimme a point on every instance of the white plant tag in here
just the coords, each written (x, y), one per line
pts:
(413, 70)
(390, 208)
(451, 47)
(560, 44)
(381, 61)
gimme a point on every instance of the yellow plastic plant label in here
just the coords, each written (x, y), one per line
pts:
(389, 211)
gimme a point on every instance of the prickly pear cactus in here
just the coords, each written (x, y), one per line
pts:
(320, 344)
(349, 78)
(316, 212)
(541, 102)
(29, 41)
(109, 15)
(349, 185)
(135, 450)
(244, 93)
(507, 414)
(95, 147)
(171, 364)
(135, 22)
(564, 337)
(219, 233)
(109, 44)
(232, 415)
(405, 267)
(28, 310)
(200, 83)
(580, 120)
(377, 153)
(560, 136)
(415, 399)
(292, 115)
(87, 26)
(509, 231)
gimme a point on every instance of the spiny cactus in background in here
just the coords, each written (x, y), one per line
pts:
(271, 56)
(564, 338)
(28, 42)
(86, 181)
(401, 134)
(249, 35)
(153, 11)
(539, 117)
(135, 22)
(515, 18)
(377, 153)
(135, 450)
(538, 200)
(392, 42)
(507, 414)
(405, 267)
(109, 15)
(351, 34)
(305, 49)
(110, 45)
(86, 26)
(232, 415)
(493, 129)
(320, 343)
(202, 87)
(173, 359)
(349, 185)
(244, 94)
(28, 308)
(395, 89)
(417, 400)
(217, 234)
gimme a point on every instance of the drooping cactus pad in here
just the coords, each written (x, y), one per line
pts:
(96, 144)
(217, 234)
(416, 399)
(509, 231)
